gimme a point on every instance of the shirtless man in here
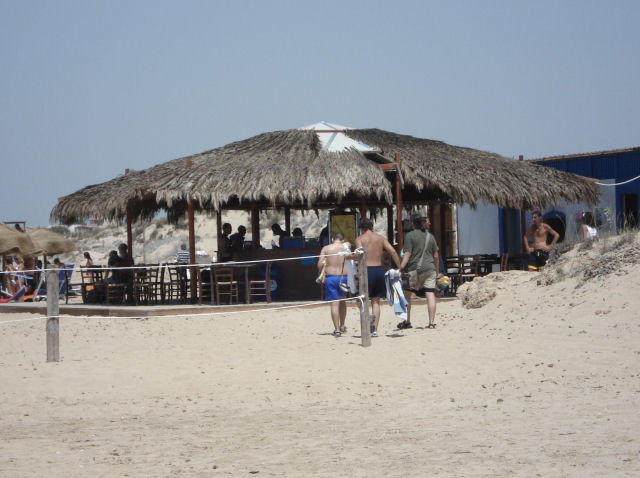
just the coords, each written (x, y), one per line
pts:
(539, 253)
(374, 245)
(334, 274)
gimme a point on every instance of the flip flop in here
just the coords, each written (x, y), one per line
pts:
(343, 329)
(337, 333)
(431, 326)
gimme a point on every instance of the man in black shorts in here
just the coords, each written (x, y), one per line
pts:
(539, 250)
(374, 246)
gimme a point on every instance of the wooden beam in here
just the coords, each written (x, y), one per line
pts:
(399, 203)
(255, 227)
(388, 166)
(523, 226)
(443, 231)
(287, 220)
(390, 237)
(192, 248)
(365, 318)
(53, 326)
(218, 232)
(363, 209)
(129, 233)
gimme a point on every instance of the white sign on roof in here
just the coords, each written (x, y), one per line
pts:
(336, 141)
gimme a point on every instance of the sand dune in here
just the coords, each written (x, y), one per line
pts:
(527, 374)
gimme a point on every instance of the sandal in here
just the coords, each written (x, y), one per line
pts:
(343, 329)
(431, 326)
(405, 325)
(337, 333)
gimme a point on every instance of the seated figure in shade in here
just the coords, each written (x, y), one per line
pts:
(182, 256)
(324, 236)
(237, 242)
(295, 241)
(278, 231)
(112, 275)
(224, 244)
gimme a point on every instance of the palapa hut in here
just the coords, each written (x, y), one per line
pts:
(321, 166)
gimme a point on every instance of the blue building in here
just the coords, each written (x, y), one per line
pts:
(620, 168)
(489, 229)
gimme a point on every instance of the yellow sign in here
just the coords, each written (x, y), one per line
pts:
(345, 223)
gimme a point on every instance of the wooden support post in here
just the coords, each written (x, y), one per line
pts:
(255, 227)
(53, 327)
(523, 225)
(129, 234)
(192, 248)
(390, 236)
(363, 281)
(287, 220)
(399, 202)
(218, 232)
(363, 208)
(129, 219)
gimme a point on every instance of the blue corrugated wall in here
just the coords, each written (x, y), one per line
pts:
(620, 166)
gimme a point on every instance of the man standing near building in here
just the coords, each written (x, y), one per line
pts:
(374, 245)
(182, 256)
(539, 253)
(420, 262)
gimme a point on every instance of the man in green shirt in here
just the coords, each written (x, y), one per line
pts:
(420, 262)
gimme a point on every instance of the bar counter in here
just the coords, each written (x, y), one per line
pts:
(296, 278)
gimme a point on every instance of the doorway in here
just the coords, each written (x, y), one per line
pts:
(630, 210)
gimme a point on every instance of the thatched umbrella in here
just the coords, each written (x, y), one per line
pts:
(15, 242)
(293, 168)
(51, 243)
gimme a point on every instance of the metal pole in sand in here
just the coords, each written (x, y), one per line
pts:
(53, 328)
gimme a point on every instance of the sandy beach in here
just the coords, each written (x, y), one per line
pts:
(526, 374)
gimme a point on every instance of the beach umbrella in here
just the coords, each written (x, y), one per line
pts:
(51, 243)
(18, 243)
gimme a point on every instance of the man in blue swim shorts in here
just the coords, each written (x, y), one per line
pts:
(334, 270)
(375, 246)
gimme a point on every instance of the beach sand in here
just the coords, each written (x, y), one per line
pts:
(540, 380)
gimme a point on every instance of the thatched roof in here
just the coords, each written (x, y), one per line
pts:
(291, 168)
(15, 242)
(51, 243)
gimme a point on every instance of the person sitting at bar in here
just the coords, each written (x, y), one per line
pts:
(324, 236)
(278, 231)
(112, 275)
(295, 241)
(224, 244)
(237, 242)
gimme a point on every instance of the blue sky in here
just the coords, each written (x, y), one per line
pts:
(89, 88)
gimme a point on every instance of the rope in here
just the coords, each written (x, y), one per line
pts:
(159, 266)
(203, 314)
(619, 184)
